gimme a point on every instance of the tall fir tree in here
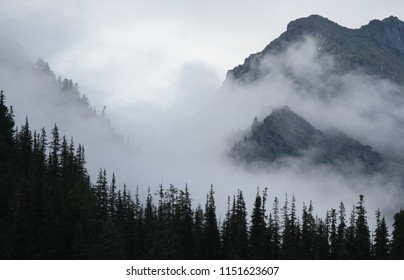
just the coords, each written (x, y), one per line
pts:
(211, 232)
(381, 238)
(274, 234)
(6, 130)
(258, 229)
(333, 233)
(239, 228)
(362, 233)
(340, 242)
(308, 233)
(397, 244)
(290, 234)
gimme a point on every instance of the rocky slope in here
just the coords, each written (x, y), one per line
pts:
(285, 134)
(376, 48)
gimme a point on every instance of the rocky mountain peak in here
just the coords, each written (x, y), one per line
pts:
(376, 49)
(388, 33)
(285, 134)
(311, 23)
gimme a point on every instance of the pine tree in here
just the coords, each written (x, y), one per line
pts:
(362, 235)
(184, 225)
(239, 229)
(149, 228)
(128, 225)
(307, 248)
(165, 243)
(274, 235)
(101, 195)
(397, 244)
(6, 130)
(290, 235)
(80, 161)
(66, 165)
(54, 163)
(225, 232)
(198, 234)
(333, 234)
(139, 249)
(112, 198)
(381, 240)
(211, 231)
(350, 232)
(258, 230)
(25, 146)
(321, 240)
(340, 242)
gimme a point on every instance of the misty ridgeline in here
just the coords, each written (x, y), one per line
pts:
(51, 210)
(329, 102)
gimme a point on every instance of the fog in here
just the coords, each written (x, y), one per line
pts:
(195, 149)
(188, 141)
(180, 129)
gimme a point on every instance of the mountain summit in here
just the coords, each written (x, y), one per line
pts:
(376, 48)
(285, 134)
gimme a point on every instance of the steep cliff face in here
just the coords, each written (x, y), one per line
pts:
(376, 48)
(285, 134)
(388, 33)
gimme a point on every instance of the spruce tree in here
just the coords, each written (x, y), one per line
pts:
(290, 235)
(308, 233)
(54, 162)
(381, 239)
(138, 242)
(274, 235)
(101, 195)
(112, 198)
(362, 235)
(240, 233)
(6, 130)
(149, 228)
(340, 242)
(333, 233)
(211, 232)
(24, 147)
(258, 230)
(184, 225)
(397, 244)
(198, 234)
(321, 240)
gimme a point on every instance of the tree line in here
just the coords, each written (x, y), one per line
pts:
(50, 209)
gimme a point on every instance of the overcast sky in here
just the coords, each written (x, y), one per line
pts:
(124, 51)
(153, 62)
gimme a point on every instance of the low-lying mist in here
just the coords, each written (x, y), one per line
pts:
(185, 138)
(182, 148)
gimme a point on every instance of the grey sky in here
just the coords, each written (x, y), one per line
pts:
(122, 51)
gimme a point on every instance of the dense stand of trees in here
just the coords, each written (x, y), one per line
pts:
(49, 209)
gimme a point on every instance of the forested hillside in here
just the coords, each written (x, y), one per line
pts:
(50, 209)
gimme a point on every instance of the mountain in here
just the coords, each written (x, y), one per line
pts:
(375, 49)
(348, 80)
(285, 134)
(48, 99)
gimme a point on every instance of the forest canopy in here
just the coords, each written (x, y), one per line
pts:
(50, 209)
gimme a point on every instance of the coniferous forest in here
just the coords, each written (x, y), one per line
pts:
(50, 209)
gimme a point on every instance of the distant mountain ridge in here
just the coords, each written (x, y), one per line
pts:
(47, 99)
(342, 58)
(285, 134)
(47, 96)
(376, 48)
